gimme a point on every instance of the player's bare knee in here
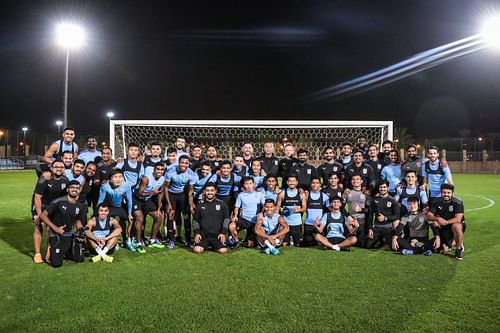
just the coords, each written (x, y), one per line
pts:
(222, 250)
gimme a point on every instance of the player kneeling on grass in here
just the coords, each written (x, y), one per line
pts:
(210, 222)
(415, 222)
(102, 233)
(63, 216)
(447, 214)
(336, 230)
(270, 228)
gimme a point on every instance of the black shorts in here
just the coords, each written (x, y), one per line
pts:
(336, 240)
(210, 242)
(243, 224)
(446, 234)
(120, 212)
(147, 206)
(178, 201)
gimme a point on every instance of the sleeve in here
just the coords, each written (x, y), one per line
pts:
(423, 198)
(102, 195)
(399, 230)
(458, 207)
(41, 186)
(81, 215)
(51, 208)
(130, 203)
(383, 173)
(213, 179)
(193, 179)
(314, 171)
(238, 201)
(119, 165)
(262, 198)
(323, 219)
(326, 200)
(447, 172)
(424, 173)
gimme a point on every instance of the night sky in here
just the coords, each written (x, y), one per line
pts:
(245, 60)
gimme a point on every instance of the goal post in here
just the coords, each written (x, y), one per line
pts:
(228, 135)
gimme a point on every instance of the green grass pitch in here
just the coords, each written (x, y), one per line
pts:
(303, 290)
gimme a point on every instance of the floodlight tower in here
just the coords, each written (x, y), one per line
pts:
(70, 37)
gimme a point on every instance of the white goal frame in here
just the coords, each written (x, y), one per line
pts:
(386, 126)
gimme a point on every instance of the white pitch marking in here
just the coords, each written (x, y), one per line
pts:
(491, 202)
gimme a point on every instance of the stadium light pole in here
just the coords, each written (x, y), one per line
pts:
(24, 129)
(69, 36)
(58, 124)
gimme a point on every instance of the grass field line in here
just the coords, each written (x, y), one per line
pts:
(490, 204)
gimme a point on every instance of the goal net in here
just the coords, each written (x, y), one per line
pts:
(227, 136)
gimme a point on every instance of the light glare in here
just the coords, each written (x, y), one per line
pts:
(110, 114)
(70, 36)
(491, 31)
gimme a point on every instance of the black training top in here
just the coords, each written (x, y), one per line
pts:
(211, 218)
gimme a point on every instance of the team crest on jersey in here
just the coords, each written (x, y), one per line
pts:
(308, 171)
(365, 171)
(217, 207)
(276, 162)
(63, 186)
(450, 208)
(77, 210)
(389, 204)
(362, 197)
(379, 166)
(335, 169)
(186, 178)
(421, 219)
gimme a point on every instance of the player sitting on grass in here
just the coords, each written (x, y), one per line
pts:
(248, 204)
(210, 222)
(102, 233)
(270, 228)
(447, 214)
(336, 230)
(416, 224)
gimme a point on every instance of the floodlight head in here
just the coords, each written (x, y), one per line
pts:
(110, 114)
(70, 35)
(24, 129)
(491, 31)
(59, 123)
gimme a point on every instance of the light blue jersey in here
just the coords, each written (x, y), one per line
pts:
(404, 193)
(226, 185)
(258, 182)
(271, 195)
(291, 198)
(153, 184)
(178, 180)
(317, 202)
(199, 184)
(436, 176)
(132, 171)
(116, 195)
(88, 155)
(392, 173)
(271, 224)
(335, 224)
(69, 174)
(251, 204)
